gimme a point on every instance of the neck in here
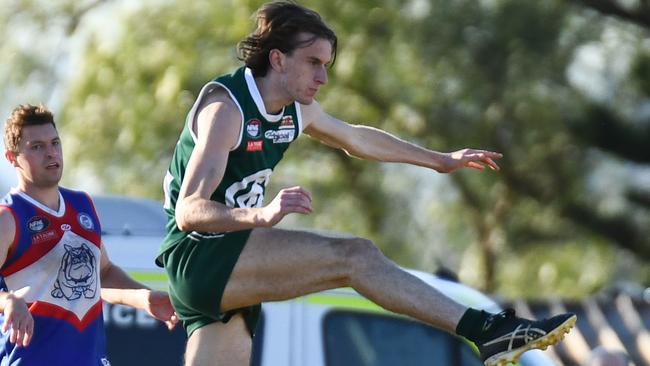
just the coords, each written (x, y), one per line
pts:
(48, 196)
(272, 94)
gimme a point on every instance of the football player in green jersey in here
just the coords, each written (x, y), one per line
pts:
(222, 253)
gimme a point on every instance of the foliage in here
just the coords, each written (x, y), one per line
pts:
(501, 75)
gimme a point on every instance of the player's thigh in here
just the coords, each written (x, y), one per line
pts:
(220, 344)
(281, 264)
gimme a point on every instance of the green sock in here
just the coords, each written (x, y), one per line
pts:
(471, 324)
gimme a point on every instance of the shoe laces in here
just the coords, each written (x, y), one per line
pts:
(498, 317)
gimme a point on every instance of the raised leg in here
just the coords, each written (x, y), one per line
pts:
(281, 264)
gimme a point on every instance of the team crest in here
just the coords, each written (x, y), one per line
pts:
(37, 224)
(77, 276)
(287, 122)
(85, 221)
(254, 128)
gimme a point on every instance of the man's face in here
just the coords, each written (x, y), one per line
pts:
(305, 69)
(39, 161)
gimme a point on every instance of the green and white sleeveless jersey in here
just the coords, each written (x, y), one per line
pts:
(263, 139)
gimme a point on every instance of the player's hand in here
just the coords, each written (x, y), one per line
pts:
(288, 200)
(160, 307)
(18, 319)
(470, 158)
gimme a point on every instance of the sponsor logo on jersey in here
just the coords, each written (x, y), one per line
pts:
(252, 146)
(37, 224)
(280, 136)
(254, 128)
(287, 122)
(66, 227)
(85, 221)
(44, 236)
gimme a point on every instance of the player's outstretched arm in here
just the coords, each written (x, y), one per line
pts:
(119, 288)
(374, 144)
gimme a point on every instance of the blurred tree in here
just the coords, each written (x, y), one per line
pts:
(620, 127)
(494, 74)
(637, 12)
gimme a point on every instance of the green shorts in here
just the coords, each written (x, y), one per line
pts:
(198, 272)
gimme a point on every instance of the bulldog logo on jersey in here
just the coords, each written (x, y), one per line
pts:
(254, 128)
(37, 224)
(77, 275)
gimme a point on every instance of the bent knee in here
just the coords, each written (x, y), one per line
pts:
(358, 251)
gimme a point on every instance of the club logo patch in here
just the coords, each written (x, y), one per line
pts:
(287, 123)
(37, 224)
(280, 136)
(254, 128)
(77, 276)
(253, 146)
(85, 221)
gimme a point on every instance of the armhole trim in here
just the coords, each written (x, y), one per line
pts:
(192, 114)
(299, 116)
(14, 244)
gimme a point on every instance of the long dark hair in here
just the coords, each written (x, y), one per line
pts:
(278, 26)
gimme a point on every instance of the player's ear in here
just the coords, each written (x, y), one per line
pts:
(277, 60)
(11, 157)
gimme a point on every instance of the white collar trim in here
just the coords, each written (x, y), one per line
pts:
(257, 97)
(41, 206)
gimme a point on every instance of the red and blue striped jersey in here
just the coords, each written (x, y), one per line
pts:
(56, 255)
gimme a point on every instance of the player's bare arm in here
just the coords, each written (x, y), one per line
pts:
(374, 144)
(217, 129)
(119, 288)
(18, 318)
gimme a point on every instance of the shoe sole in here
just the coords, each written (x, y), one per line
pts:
(552, 338)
